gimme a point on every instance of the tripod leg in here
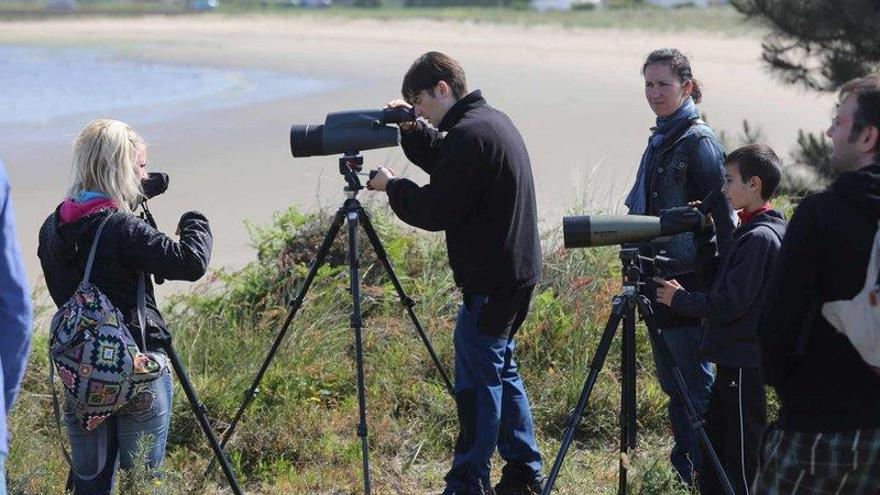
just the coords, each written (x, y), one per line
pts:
(201, 416)
(293, 308)
(696, 420)
(404, 299)
(627, 395)
(357, 325)
(617, 311)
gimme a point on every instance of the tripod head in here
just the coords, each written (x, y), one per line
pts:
(350, 165)
(631, 266)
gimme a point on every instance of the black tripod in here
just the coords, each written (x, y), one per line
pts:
(201, 415)
(624, 308)
(353, 213)
(199, 409)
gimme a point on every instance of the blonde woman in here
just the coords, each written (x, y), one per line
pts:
(109, 165)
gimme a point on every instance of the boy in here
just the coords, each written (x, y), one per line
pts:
(736, 414)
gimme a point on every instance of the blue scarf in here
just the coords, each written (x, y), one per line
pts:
(85, 196)
(637, 199)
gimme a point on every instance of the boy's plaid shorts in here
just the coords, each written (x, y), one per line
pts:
(799, 463)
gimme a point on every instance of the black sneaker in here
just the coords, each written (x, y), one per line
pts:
(505, 487)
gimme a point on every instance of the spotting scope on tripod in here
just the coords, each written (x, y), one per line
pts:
(626, 307)
(347, 133)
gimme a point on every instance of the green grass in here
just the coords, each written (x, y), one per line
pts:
(719, 19)
(299, 436)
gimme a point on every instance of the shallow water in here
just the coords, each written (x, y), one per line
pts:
(40, 86)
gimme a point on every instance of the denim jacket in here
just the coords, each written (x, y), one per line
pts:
(687, 168)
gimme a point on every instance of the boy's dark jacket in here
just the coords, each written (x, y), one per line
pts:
(732, 306)
(826, 387)
(481, 194)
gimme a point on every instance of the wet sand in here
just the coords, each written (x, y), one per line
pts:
(576, 96)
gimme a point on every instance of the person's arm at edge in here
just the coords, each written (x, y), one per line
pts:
(15, 301)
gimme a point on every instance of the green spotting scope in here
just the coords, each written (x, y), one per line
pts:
(608, 230)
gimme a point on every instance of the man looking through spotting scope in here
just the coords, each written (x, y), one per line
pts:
(481, 194)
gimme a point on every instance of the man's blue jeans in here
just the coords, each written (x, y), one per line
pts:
(684, 343)
(118, 439)
(493, 409)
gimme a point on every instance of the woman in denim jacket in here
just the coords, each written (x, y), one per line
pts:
(684, 162)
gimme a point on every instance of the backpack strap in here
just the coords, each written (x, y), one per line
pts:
(814, 308)
(142, 308)
(94, 249)
(141, 288)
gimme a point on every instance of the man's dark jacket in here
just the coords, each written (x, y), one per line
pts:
(481, 193)
(128, 245)
(732, 305)
(826, 386)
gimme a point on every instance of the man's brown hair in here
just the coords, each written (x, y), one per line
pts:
(866, 90)
(428, 70)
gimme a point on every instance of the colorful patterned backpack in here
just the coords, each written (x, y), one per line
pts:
(98, 361)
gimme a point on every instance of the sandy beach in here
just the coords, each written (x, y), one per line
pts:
(576, 96)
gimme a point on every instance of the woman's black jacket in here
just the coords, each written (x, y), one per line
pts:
(128, 245)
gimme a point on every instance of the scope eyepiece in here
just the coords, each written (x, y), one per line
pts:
(397, 115)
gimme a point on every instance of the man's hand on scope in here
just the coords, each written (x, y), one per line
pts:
(666, 290)
(404, 126)
(379, 181)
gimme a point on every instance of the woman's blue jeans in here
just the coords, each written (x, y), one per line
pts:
(142, 425)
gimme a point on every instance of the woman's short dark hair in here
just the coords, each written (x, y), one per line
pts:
(679, 65)
(866, 90)
(757, 160)
(428, 70)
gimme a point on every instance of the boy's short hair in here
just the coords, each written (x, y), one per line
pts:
(757, 160)
(428, 70)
